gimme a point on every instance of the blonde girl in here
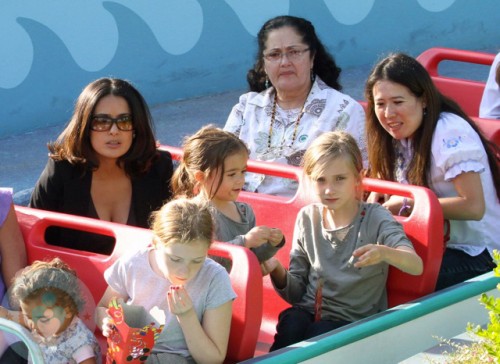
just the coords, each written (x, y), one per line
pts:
(50, 299)
(341, 249)
(175, 281)
(213, 167)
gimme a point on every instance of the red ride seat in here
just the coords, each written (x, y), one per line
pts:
(424, 227)
(246, 277)
(467, 93)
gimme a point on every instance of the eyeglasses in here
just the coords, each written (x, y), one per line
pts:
(105, 123)
(291, 55)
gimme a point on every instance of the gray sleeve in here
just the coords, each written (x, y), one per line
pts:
(265, 251)
(389, 232)
(239, 240)
(298, 272)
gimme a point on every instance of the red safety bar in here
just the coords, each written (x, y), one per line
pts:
(424, 227)
(467, 93)
(491, 130)
(246, 279)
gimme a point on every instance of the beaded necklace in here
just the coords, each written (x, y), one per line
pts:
(273, 116)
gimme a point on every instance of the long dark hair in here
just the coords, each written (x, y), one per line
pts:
(407, 71)
(73, 144)
(324, 64)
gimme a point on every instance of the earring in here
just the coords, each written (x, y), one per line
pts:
(266, 84)
(425, 111)
(313, 76)
(133, 134)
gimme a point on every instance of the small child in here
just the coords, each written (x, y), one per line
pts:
(213, 166)
(341, 250)
(50, 299)
(178, 285)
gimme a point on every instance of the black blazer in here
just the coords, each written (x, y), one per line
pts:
(64, 187)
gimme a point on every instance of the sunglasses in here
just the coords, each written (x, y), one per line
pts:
(105, 123)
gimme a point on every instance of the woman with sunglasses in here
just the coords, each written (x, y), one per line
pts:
(294, 97)
(104, 165)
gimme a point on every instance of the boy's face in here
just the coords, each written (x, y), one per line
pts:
(44, 316)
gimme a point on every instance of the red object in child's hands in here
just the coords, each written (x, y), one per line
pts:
(318, 300)
(129, 344)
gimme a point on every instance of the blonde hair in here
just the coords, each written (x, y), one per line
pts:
(204, 151)
(182, 221)
(55, 278)
(330, 146)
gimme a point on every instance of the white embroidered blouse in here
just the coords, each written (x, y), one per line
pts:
(325, 109)
(457, 148)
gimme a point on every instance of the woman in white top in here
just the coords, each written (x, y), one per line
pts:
(490, 103)
(418, 136)
(295, 97)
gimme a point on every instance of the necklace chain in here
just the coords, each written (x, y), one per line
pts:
(273, 117)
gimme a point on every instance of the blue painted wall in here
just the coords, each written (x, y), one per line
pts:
(175, 49)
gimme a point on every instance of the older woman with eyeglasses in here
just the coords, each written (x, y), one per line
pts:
(104, 165)
(294, 97)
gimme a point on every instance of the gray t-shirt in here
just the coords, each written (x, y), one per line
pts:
(349, 293)
(232, 232)
(133, 276)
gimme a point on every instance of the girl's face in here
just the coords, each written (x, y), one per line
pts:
(44, 316)
(337, 184)
(235, 167)
(288, 74)
(114, 143)
(179, 263)
(398, 110)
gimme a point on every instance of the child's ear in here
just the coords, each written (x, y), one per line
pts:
(199, 176)
(156, 242)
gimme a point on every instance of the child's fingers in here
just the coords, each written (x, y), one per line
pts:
(360, 251)
(179, 300)
(108, 326)
(368, 255)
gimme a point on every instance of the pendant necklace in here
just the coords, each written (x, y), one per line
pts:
(273, 116)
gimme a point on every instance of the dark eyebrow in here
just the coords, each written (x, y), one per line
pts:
(235, 169)
(289, 47)
(109, 115)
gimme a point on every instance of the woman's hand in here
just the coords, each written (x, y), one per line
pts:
(179, 301)
(398, 205)
(376, 197)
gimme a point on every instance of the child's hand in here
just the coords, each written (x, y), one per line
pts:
(108, 326)
(257, 236)
(368, 255)
(276, 236)
(269, 265)
(179, 301)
